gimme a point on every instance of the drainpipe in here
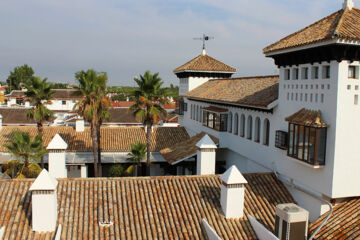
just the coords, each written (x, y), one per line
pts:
(315, 195)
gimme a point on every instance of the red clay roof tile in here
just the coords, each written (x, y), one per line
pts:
(343, 24)
(142, 208)
(247, 91)
(205, 63)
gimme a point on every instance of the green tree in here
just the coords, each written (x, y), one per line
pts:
(118, 170)
(20, 75)
(26, 151)
(60, 85)
(40, 93)
(92, 107)
(136, 155)
(150, 96)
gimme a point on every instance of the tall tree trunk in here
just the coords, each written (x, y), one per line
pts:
(148, 156)
(95, 149)
(40, 131)
(99, 149)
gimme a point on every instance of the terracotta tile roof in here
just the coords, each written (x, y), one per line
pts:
(215, 109)
(117, 116)
(343, 224)
(247, 91)
(113, 139)
(15, 94)
(346, 23)
(15, 116)
(122, 104)
(204, 63)
(307, 117)
(142, 208)
(65, 94)
(127, 104)
(184, 149)
(124, 116)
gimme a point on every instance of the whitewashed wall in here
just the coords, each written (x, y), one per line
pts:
(58, 105)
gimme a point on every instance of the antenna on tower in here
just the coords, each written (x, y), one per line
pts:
(204, 38)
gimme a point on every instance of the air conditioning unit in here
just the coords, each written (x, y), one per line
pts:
(291, 222)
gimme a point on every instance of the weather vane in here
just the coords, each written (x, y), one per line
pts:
(204, 38)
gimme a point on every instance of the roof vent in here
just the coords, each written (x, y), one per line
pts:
(348, 4)
(291, 222)
(105, 223)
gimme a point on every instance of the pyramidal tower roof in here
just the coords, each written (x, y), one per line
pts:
(233, 176)
(206, 142)
(44, 182)
(57, 143)
(343, 25)
(205, 63)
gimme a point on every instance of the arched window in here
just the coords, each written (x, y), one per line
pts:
(257, 129)
(200, 114)
(197, 113)
(236, 124)
(249, 127)
(242, 125)
(191, 111)
(266, 132)
(230, 122)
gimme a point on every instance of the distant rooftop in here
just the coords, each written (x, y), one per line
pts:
(113, 139)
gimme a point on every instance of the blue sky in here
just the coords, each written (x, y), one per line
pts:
(126, 37)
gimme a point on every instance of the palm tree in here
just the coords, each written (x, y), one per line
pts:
(92, 107)
(40, 93)
(150, 96)
(26, 150)
(136, 155)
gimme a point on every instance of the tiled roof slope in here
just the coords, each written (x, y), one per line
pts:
(113, 139)
(142, 208)
(65, 94)
(247, 91)
(307, 117)
(184, 149)
(344, 223)
(204, 63)
(346, 23)
(15, 94)
(117, 116)
(15, 116)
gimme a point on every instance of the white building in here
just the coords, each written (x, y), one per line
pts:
(62, 99)
(301, 124)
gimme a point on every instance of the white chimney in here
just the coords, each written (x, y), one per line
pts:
(348, 4)
(232, 193)
(291, 222)
(44, 203)
(57, 157)
(206, 156)
(79, 124)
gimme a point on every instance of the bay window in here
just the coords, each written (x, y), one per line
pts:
(307, 143)
(215, 120)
